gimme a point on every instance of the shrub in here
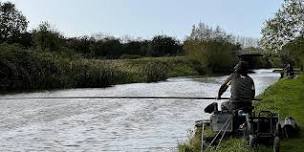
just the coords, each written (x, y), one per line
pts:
(216, 56)
(155, 72)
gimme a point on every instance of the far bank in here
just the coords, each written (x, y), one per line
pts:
(26, 70)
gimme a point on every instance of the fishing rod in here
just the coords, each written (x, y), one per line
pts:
(116, 97)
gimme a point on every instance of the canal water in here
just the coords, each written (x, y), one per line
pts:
(90, 125)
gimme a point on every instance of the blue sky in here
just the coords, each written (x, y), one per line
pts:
(146, 18)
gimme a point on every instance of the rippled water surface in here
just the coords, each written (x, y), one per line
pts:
(110, 125)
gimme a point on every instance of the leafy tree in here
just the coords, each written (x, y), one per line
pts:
(294, 52)
(215, 56)
(164, 46)
(203, 32)
(109, 48)
(146, 47)
(134, 48)
(12, 23)
(82, 45)
(211, 49)
(47, 39)
(286, 25)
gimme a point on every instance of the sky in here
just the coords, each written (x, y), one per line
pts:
(147, 18)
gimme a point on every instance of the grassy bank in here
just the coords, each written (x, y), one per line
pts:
(286, 98)
(175, 66)
(24, 69)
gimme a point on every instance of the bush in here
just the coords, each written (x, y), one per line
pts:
(89, 74)
(162, 45)
(294, 52)
(155, 72)
(25, 69)
(216, 56)
(47, 39)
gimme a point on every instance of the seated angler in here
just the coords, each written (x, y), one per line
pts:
(242, 89)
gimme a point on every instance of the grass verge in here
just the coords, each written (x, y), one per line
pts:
(286, 97)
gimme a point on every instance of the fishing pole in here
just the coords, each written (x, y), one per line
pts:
(116, 97)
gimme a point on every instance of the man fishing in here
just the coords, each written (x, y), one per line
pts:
(288, 70)
(242, 89)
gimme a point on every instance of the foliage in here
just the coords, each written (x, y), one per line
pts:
(203, 32)
(286, 25)
(87, 74)
(194, 142)
(23, 69)
(47, 39)
(155, 72)
(13, 24)
(176, 66)
(13, 30)
(81, 45)
(294, 52)
(109, 48)
(114, 48)
(216, 56)
(164, 46)
(44, 59)
(134, 47)
(211, 49)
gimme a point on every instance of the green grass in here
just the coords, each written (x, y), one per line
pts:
(176, 66)
(286, 97)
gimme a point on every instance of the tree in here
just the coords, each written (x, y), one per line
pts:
(109, 48)
(294, 52)
(216, 56)
(47, 39)
(211, 49)
(12, 22)
(133, 47)
(164, 46)
(204, 32)
(83, 45)
(287, 24)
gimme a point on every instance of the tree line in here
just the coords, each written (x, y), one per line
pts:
(13, 27)
(43, 58)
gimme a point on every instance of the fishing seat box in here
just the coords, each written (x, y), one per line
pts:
(219, 119)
